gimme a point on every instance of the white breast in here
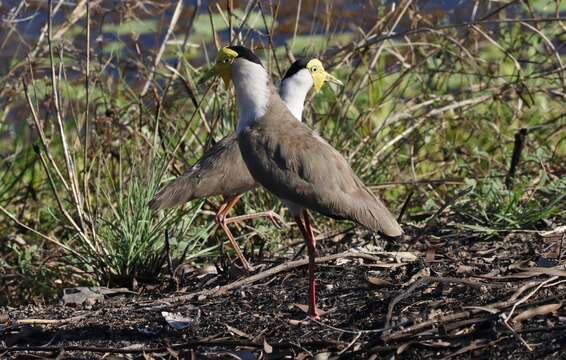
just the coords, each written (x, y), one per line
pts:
(294, 90)
(252, 91)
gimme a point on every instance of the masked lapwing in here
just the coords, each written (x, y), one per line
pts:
(292, 161)
(222, 171)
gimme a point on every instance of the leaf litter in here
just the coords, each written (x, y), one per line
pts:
(444, 298)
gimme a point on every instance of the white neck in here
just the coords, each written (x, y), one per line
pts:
(251, 84)
(294, 90)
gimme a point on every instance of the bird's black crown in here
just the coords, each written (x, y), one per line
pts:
(297, 66)
(245, 53)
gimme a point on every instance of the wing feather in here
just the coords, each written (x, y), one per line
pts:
(293, 162)
(220, 171)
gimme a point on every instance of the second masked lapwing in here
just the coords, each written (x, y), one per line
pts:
(292, 161)
(221, 169)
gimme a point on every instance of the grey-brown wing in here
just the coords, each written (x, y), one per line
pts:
(294, 163)
(220, 171)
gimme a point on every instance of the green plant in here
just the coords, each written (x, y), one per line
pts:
(490, 209)
(135, 243)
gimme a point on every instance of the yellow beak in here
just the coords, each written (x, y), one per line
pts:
(321, 77)
(331, 78)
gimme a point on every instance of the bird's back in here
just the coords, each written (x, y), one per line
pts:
(220, 171)
(294, 163)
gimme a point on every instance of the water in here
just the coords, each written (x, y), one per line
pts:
(136, 29)
(126, 35)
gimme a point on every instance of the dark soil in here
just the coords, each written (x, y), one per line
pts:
(450, 299)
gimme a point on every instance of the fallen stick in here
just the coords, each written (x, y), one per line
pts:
(47, 321)
(187, 345)
(520, 138)
(497, 308)
(270, 272)
(446, 337)
(421, 281)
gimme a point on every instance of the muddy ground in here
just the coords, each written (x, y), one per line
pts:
(455, 297)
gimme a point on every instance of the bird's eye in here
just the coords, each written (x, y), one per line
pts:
(226, 61)
(314, 69)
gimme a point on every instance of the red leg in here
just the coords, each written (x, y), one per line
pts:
(224, 208)
(311, 244)
(221, 221)
(299, 222)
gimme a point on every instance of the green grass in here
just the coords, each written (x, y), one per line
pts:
(134, 238)
(490, 209)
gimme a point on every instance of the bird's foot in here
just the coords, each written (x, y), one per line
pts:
(247, 267)
(313, 313)
(220, 219)
(243, 267)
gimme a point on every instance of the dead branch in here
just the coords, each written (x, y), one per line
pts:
(41, 235)
(421, 281)
(270, 272)
(172, 23)
(493, 309)
(520, 138)
(185, 345)
(48, 321)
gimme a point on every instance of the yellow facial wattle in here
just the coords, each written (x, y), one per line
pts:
(319, 75)
(223, 61)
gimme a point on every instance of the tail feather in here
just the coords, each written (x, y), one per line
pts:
(374, 215)
(379, 219)
(176, 193)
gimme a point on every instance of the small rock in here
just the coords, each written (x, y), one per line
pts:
(81, 296)
(178, 321)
